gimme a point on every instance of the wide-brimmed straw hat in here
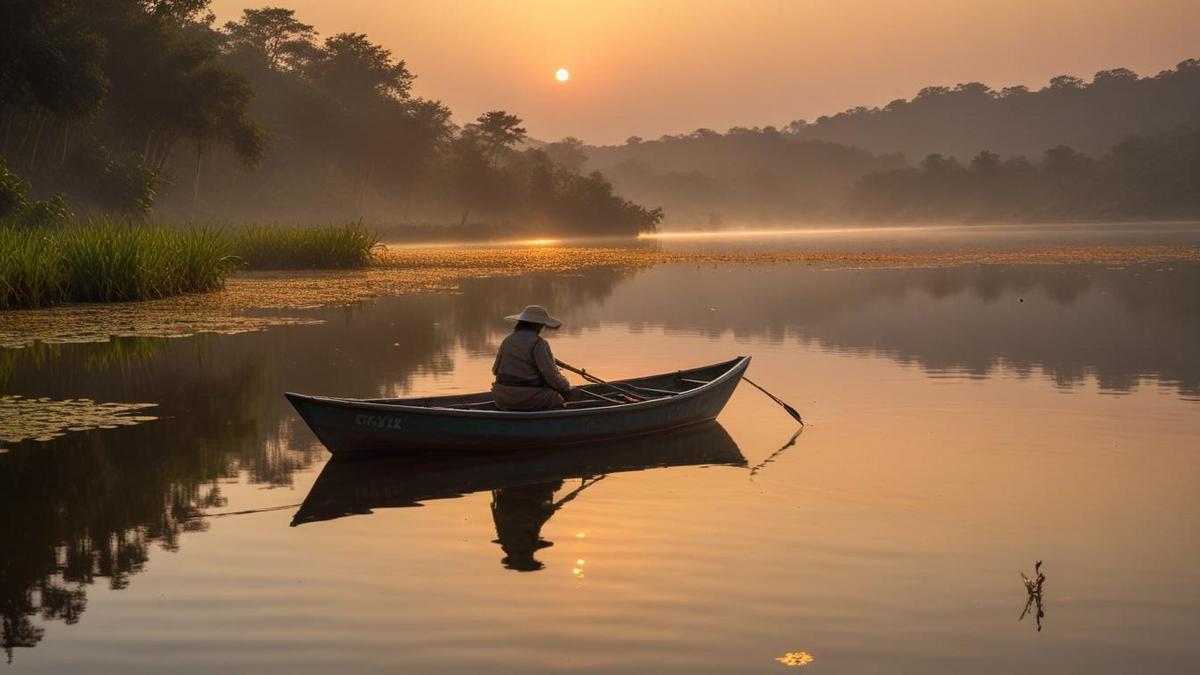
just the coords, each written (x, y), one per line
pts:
(536, 314)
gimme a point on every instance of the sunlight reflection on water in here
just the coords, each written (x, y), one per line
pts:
(960, 429)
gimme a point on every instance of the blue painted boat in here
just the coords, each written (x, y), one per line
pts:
(472, 422)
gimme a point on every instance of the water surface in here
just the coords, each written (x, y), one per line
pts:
(964, 423)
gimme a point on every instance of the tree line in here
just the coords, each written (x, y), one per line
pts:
(958, 121)
(759, 176)
(139, 105)
(1142, 177)
(1119, 147)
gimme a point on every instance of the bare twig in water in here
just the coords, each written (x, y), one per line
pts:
(775, 455)
(1034, 588)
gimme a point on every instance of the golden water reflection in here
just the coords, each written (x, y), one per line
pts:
(525, 487)
(962, 426)
(795, 659)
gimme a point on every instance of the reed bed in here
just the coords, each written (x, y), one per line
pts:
(280, 247)
(109, 260)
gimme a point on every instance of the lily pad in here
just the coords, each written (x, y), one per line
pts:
(44, 419)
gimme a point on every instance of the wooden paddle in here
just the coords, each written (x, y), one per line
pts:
(595, 380)
(592, 378)
(790, 410)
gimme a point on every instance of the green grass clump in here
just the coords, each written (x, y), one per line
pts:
(108, 260)
(112, 260)
(280, 247)
(30, 269)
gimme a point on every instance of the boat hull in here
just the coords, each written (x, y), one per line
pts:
(352, 425)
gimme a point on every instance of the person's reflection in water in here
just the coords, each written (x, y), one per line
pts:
(519, 514)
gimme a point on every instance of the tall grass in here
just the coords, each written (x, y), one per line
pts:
(30, 269)
(109, 260)
(279, 247)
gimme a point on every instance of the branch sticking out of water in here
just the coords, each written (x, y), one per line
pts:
(1033, 587)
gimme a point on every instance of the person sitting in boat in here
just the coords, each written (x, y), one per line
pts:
(526, 376)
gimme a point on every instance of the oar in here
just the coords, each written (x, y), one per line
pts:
(592, 378)
(601, 397)
(790, 410)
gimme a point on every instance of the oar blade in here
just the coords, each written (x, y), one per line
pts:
(787, 408)
(795, 415)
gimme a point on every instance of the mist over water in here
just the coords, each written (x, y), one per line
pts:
(967, 250)
(964, 422)
(856, 238)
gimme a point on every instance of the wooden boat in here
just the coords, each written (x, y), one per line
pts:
(352, 485)
(472, 422)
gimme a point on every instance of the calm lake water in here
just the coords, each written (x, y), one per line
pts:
(964, 423)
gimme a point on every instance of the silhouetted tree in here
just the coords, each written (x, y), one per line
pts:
(568, 153)
(276, 35)
(497, 130)
(104, 91)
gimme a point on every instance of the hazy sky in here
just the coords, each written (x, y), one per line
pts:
(650, 67)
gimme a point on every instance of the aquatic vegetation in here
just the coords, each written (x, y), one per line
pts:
(402, 270)
(43, 419)
(167, 318)
(280, 247)
(30, 273)
(108, 260)
(113, 260)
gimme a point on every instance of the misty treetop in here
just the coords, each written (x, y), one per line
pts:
(1142, 177)
(1147, 177)
(707, 178)
(133, 105)
(1127, 140)
(960, 120)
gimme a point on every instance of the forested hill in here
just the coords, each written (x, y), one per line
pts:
(907, 159)
(960, 121)
(746, 175)
(148, 107)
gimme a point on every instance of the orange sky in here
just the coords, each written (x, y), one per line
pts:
(650, 67)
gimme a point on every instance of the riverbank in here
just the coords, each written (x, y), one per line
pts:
(110, 260)
(252, 301)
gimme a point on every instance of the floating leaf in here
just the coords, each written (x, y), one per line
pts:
(44, 419)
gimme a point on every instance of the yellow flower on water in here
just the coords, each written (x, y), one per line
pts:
(795, 659)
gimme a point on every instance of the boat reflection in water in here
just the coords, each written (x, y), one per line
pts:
(523, 483)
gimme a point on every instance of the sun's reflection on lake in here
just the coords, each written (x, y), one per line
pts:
(959, 431)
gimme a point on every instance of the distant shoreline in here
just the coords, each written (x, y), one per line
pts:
(478, 233)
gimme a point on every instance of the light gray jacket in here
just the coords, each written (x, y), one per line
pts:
(524, 357)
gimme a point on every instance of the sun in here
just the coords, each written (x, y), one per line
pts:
(562, 75)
